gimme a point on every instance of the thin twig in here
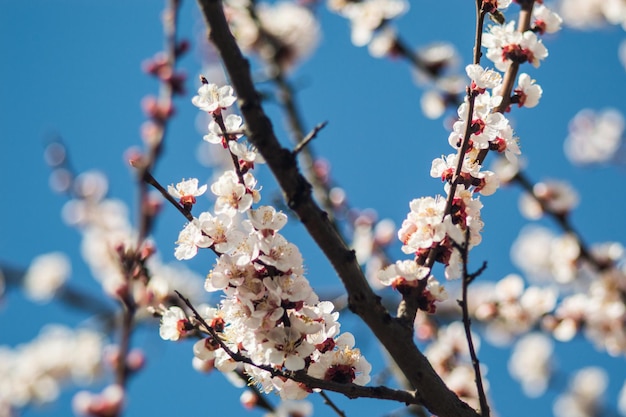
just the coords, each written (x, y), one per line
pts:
(467, 279)
(148, 178)
(308, 138)
(332, 405)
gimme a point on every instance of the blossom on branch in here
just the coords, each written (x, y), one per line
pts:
(232, 122)
(187, 191)
(505, 45)
(214, 99)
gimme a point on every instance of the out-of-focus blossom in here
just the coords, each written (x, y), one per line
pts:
(45, 275)
(587, 14)
(558, 197)
(543, 256)
(594, 137)
(34, 372)
(107, 403)
(292, 26)
(530, 363)
(367, 16)
(584, 396)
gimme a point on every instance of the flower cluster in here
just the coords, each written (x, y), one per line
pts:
(34, 372)
(438, 228)
(505, 45)
(269, 313)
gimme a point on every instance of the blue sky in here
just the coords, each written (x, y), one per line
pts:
(73, 68)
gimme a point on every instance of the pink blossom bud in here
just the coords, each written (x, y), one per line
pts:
(248, 399)
(134, 157)
(135, 360)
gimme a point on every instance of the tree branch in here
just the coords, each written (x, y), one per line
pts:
(396, 338)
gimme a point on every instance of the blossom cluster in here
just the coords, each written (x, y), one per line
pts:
(269, 314)
(33, 373)
(438, 228)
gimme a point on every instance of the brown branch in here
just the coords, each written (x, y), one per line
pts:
(309, 137)
(149, 179)
(467, 322)
(155, 144)
(349, 390)
(397, 339)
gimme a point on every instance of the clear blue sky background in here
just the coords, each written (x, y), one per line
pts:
(72, 67)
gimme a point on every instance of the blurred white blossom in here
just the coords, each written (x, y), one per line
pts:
(45, 275)
(594, 137)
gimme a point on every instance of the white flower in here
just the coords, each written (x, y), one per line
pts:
(213, 99)
(436, 290)
(584, 395)
(173, 324)
(187, 191)
(528, 92)
(402, 272)
(245, 153)
(483, 78)
(266, 218)
(546, 20)
(424, 226)
(221, 230)
(281, 254)
(228, 271)
(232, 196)
(232, 122)
(286, 347)
(486, 125)
(344, 364)
(189, 240)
